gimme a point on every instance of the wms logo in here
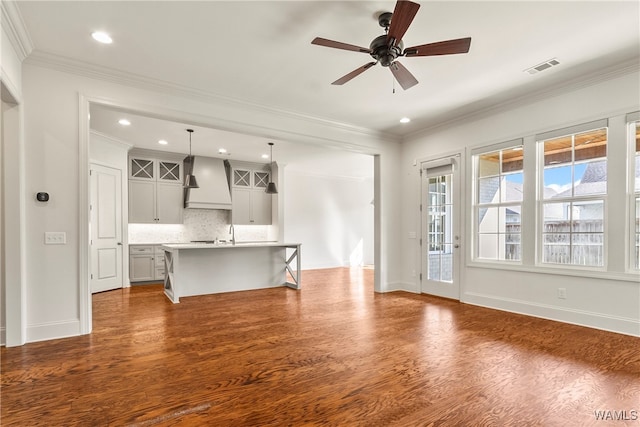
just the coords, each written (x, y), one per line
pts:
(631, 415)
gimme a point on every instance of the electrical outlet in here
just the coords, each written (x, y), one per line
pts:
(562, 293)
(55, 238)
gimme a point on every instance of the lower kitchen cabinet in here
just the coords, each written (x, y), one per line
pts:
(146, 263)
(159, 263)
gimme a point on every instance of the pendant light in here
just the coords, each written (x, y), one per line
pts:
(190, 179)
(271, 186)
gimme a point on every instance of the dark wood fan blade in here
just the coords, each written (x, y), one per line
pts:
(403, 76)
(339, 45)
(342, 80)
(448, 47)
(402, 17)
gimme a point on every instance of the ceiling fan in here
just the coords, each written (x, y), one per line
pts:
(385, 49)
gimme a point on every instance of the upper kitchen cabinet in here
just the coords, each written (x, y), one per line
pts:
(155, 188)
(251, 205)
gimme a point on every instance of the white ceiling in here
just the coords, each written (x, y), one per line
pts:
(145, 132)
(260, 52)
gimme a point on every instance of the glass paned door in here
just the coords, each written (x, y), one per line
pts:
(439, 230)
(440, 237)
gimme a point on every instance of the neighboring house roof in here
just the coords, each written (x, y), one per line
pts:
(594, 180)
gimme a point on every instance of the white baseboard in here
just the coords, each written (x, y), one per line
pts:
(621, 325)
(402, 286)
(53, 330)
(3, 336)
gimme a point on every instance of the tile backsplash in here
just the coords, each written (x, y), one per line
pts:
(198, 224)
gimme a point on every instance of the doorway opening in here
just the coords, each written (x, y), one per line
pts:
(367, 253)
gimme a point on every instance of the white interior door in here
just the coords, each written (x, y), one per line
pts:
(440, 243)
(106, 228)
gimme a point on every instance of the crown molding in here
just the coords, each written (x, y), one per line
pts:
(157, 154)
(112, 140)
(324, 176)
(13, 25)
(590, 79)
(85, 69)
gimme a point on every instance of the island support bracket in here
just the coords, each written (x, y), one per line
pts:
(293, 279)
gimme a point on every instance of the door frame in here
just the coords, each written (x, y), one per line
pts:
(13, 272)
(380, 156)
(460, 205)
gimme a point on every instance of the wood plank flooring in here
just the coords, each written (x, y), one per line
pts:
(334, 353)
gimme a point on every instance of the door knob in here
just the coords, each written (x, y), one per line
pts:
(456, 246)
(119, 243)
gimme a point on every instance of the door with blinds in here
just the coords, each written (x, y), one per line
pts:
(440, 237)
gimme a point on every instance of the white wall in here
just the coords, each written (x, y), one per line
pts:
(52, 154)
(331, 216)
(607, 300)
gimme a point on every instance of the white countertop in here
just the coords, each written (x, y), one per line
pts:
(227, 245)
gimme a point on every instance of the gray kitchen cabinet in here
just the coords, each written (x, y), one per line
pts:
(159, 263)
(146, 263)
(250, 204)
(169, 203)
(142, 202)
(141, 263)
(155, 191)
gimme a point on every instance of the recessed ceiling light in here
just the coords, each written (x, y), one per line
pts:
(405, 120)
(162, 142)
(124, 122)
(222, 150)
(102, 37)
(265, 156)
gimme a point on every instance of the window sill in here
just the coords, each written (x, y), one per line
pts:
(558, 271)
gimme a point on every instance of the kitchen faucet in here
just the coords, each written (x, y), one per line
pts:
(232, 231)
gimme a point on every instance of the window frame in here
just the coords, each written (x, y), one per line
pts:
(477, 206)
(541, 201)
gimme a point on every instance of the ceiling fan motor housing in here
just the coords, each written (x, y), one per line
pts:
(383, 53)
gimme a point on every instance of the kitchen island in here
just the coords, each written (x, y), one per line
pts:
(209, 268)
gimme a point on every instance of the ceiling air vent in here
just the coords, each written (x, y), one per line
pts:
(541, 67)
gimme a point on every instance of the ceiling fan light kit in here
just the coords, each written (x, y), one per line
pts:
(387, 48)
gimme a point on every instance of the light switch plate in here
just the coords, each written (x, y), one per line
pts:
(412, 234)
(55, 238)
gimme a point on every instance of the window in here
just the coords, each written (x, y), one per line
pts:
(498, 202)
(573, 194)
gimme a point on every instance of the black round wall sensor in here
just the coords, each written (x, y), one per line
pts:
(42, 197)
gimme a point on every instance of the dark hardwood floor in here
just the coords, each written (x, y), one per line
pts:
(334, 353)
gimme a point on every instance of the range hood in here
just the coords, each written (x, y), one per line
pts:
(212, 177)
